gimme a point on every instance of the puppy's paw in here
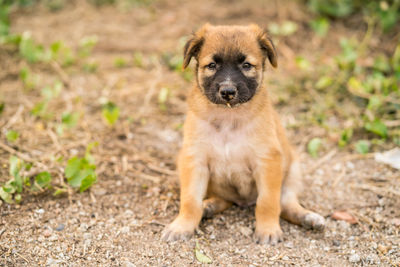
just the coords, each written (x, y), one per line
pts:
(178, 230)
(208, 209)
(314, 221)
(269, 235)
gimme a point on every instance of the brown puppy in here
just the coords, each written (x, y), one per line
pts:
(235, 149)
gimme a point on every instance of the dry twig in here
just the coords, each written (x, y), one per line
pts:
(21, 155)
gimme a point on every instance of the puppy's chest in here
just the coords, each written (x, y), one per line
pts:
(229, 151)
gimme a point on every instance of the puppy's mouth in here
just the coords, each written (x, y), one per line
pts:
(233, 105)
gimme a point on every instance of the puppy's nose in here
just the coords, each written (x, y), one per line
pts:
(228, 93)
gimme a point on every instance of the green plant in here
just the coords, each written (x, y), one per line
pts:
(4, 18)
(285, 29)
(54, 5)
(28, 79)
(120, 62)
(48, 93)
(362, 146)
(345, 137)
(86, 45)
(12, 136)
(68, 121)
(313, 146)
(138, 60)
(31, 51)
(11, 191)
(110, 113)
(320, 26)
(90, 66)
(80, 172)
(62, 53)
(386, 13)
(162, 98)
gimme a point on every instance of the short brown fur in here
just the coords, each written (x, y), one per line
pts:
(262, 168)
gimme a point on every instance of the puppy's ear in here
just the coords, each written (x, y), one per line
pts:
(266, 45)
(193, 46)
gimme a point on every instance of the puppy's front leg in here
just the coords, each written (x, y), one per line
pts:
(269, 182)
(194, 180)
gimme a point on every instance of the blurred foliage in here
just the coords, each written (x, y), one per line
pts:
(361, 85)
(387, 12)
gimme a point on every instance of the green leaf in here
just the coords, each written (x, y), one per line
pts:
(2, 106)
(86, 45)
(324, 82)
(69, 119)
(320, 26)
(138, 59)
(73, 167)
(381, 63)
(377, 127)
(313, 146)
(374, 102)
(80, 173)
(288, 28)
(355, 84)
(18, 198)
(162, 98)
(61, 53)
(334, 8)
(6, 196)
(28, 78)
(120, 62)
(200, 256)
(345, 137)
(110, 113)
(362, 146)
(285, 29)
(88, 155)
(388, 18)
(302, 63)
(12, 136)
(16, 165)
(29, 50)
(43, 179)
(87, 182)
(90, 66)
(60, 191)
(39, 109)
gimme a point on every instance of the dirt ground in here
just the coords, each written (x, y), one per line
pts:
(119, 221)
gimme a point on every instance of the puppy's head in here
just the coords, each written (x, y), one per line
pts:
(230, 61)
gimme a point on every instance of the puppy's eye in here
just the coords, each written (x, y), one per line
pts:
(247, 66)
(211, 66)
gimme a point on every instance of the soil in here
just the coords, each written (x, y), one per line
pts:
(118, 222)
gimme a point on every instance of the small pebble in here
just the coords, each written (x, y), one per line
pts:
(60, 227)
(350, 165)
(47, 233)
(383, 249)
(285, 258)
(53, 238)
(125, 229)
(128, 264)
(337, 167)
(39, 211)
(354, 258)
(288, 244)
(87, 236)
